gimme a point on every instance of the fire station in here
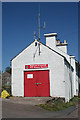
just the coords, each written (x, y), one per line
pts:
(45, 70)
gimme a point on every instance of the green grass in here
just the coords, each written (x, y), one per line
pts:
(59, 105)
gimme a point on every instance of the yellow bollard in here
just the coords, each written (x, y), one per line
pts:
(4, 94)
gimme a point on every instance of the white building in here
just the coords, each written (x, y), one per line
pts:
(44, 70)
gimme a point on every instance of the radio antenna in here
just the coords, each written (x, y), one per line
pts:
(39, 28)
(39, 21)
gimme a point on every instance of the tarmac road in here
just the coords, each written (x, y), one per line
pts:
(18, 110)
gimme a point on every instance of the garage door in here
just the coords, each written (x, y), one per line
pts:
(36, 84)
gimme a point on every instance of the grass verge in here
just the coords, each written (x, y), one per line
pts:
(56, 105)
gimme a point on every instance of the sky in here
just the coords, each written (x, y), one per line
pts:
(20, 20)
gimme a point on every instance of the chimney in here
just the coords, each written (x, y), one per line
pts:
(57, 41)
(51, 40)
(62, 46)
(64, 41)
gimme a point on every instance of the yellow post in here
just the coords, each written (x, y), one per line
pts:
(4, 94)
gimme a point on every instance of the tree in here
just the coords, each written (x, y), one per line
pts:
(8, 69)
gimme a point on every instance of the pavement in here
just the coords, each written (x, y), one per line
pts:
(17, 107)
(29, 100)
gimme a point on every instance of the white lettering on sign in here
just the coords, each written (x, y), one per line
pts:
(29, 75)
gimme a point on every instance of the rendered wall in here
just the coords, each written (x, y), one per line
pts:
(77, 80)
(63, 48)
(69, 81)
(47, 56)
(74, 76)
(51, 41)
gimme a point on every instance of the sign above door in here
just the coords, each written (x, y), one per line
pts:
(35, 66)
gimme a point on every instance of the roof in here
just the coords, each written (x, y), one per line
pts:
(45, 46)
(51, 49)
(42, 44)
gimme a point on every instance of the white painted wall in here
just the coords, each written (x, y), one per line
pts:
(63, 48)
(68, 72)
(51, 40)
(67, 82)
(47, 56)
(77, 80)
(60, 75)
(68, 58)
(74, 76)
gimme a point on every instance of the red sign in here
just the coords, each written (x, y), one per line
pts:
(34, 66)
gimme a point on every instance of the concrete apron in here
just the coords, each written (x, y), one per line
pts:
(28, 100)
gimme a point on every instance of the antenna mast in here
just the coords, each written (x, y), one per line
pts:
(39, 23)
(39, 29)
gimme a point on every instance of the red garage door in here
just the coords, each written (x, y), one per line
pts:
(36, 84)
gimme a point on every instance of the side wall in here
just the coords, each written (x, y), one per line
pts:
(77, 80)
(69, 89)
(63, 48)
(31, 56)
(74, 76)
